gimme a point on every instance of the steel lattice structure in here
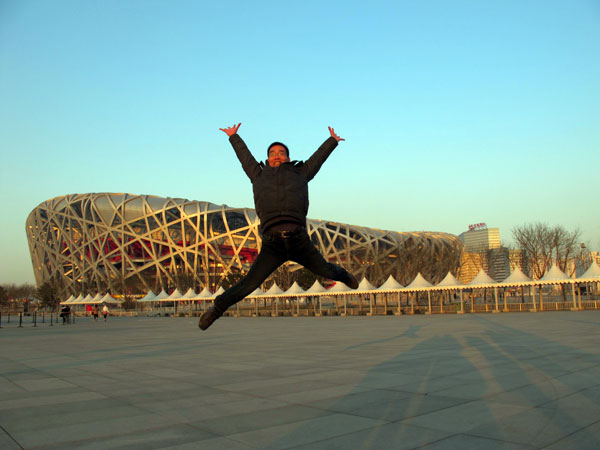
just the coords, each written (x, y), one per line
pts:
(93, 241)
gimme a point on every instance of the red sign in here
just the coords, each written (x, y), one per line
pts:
(477, 226)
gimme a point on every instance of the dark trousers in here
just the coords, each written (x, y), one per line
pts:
(274, 252)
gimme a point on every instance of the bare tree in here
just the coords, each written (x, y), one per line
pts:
(543, 245)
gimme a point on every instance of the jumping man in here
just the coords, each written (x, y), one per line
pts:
(280, 189)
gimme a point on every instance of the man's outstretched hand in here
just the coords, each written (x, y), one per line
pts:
(232, 130)
(337, 138)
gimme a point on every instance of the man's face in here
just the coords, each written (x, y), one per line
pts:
(277, 156)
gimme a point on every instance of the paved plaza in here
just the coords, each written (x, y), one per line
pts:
(514, 381)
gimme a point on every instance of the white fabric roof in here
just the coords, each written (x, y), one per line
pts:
(149, 297)
(205, 293)
(97, 298)
(175, 295)
(256, 292)
(274, 290)
(219, 292)
(482, 280)
(365, 285)
(71, 299)
(517, 277)
(109, 299)
(419, 283)
(449, 282)
(162, 296)
(339, 287)
(592, 274)
(553, 275)
(189, 294)
(295, 289)
(88, 299)
(390, 284)
(316, 288)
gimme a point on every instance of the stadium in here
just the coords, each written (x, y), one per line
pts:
(99, 242)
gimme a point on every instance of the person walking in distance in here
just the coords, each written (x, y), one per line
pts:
(105, 311)
(280, 189)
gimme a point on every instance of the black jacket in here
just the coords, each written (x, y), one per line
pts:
(281, 191)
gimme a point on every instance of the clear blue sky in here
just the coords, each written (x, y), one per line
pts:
(454, 112)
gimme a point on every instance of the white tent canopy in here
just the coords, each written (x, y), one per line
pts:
(554, 275)
(256, 292)
(274, 290)
(149, 297)
(418, 284)
(190, 294)
(449, 282)
(219, 292)
(205, 293)
(316, 288)
(390, 285)
(175, 295)
(295, 289)
(162, 296)
(339, 287)
(365, 285)
(482, 280)
(592, 274)
(109, 299)
(516, 278)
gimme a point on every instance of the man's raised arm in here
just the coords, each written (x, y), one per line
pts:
(249, 164)
(314, 163)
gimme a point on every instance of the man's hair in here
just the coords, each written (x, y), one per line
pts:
(287, 150)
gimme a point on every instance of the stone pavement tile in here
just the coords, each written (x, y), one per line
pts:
(59, 415)
(43, 384)
(7, 442)
(287, 388)
(356, 400)
(98, 430)
(48, 400)
(481, 389)
(206, 412)
(465, 416)
(426, 385)
(377, 379)
(266, 418)
(532, 395)
(537, 427)
(304, 432)
(219, 443)
(308, 396)
(579, 380)
(191, 401)
(396, 409)
(587, 438)
(462, 442)
(392, 436)
(155, 438)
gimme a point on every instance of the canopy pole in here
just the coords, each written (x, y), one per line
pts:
(574, 297)
(505, 300)
(462, 303)
(371, 304)
(532, 294)
(429, 301)
(496, 298)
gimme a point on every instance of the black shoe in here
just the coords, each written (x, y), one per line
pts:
(207, 319)
(351, 282)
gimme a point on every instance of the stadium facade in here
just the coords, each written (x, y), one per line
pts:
(102, 241)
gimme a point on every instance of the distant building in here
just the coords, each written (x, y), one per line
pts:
(483, 250)
(481, 239)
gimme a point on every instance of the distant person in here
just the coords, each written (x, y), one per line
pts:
(95, 313)
(88, 308)
(65, 313)
(105, 311)
(281, 200)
